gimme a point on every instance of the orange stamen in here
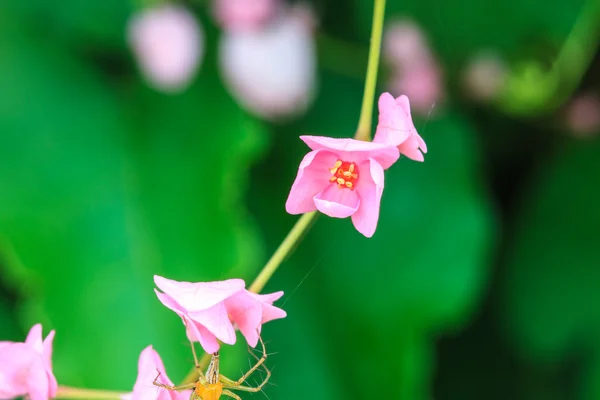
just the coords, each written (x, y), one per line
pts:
(345, 174)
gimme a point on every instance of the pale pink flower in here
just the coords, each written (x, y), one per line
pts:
(26, 368)
(201, 307)
(243, 15)
(342, 178)
(583, 115)
(250, 310)
(209, 310)
(404, 44)
(149, 367)
(396, 128)
(415, 71)
(422, 84)
(271, 72)
(168, 44)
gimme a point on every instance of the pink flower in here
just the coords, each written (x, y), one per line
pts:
(396, 128)
(149, 366)
(168, 44)
(404, 43)
(243, 15)
(342, 178)
(209, 310)
(26, 368)
(422, 83)
(201, 307)
(271, 72)
(250, 310)
(415, 70)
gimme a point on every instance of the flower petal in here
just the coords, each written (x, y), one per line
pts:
(207, 340)
(216, 321)
(15, 359)
(395, 123)
(354, 150)
(250, 310)
(403, 102)
(37, 380)
(194, 330)
(34, 338)
(313, 176)
(149, 366)
(246, 312)
(411, 148)
(337, 202)
(370, 190)
(47, 357)
(270, 312)
(200, 295)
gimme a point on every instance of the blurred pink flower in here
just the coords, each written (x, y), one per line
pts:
(209, 309)
(415, 71)
(583, 115)
(168, 44)
(396, 128)
(422, 84)
(243, 15)
(26, 368)
(250, 310)
(404, 43)
(271, 72)
(484, 76)
(342, 178)
(149, 366)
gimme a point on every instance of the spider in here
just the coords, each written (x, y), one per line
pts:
(212, 385)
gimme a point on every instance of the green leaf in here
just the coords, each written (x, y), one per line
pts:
(376, 301)
(100, 194)
(552, 263)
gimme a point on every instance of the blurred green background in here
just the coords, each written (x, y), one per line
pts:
(481, 282)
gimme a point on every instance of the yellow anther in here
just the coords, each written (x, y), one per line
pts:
(344, 173)
(338, 164)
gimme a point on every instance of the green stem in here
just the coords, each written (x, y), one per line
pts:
(363, 133)
(192, 376)
(66, 392)
(284, 249)
(577, 52)
(364, 124)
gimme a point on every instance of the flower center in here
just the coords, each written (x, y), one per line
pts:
(345, 174)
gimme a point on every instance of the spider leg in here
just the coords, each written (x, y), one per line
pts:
(231, 394)
(170, 387)
(237, 385)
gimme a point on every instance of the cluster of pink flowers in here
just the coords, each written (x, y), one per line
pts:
(26, 368)
(209, 310)
(344, 177)
(266, 51)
